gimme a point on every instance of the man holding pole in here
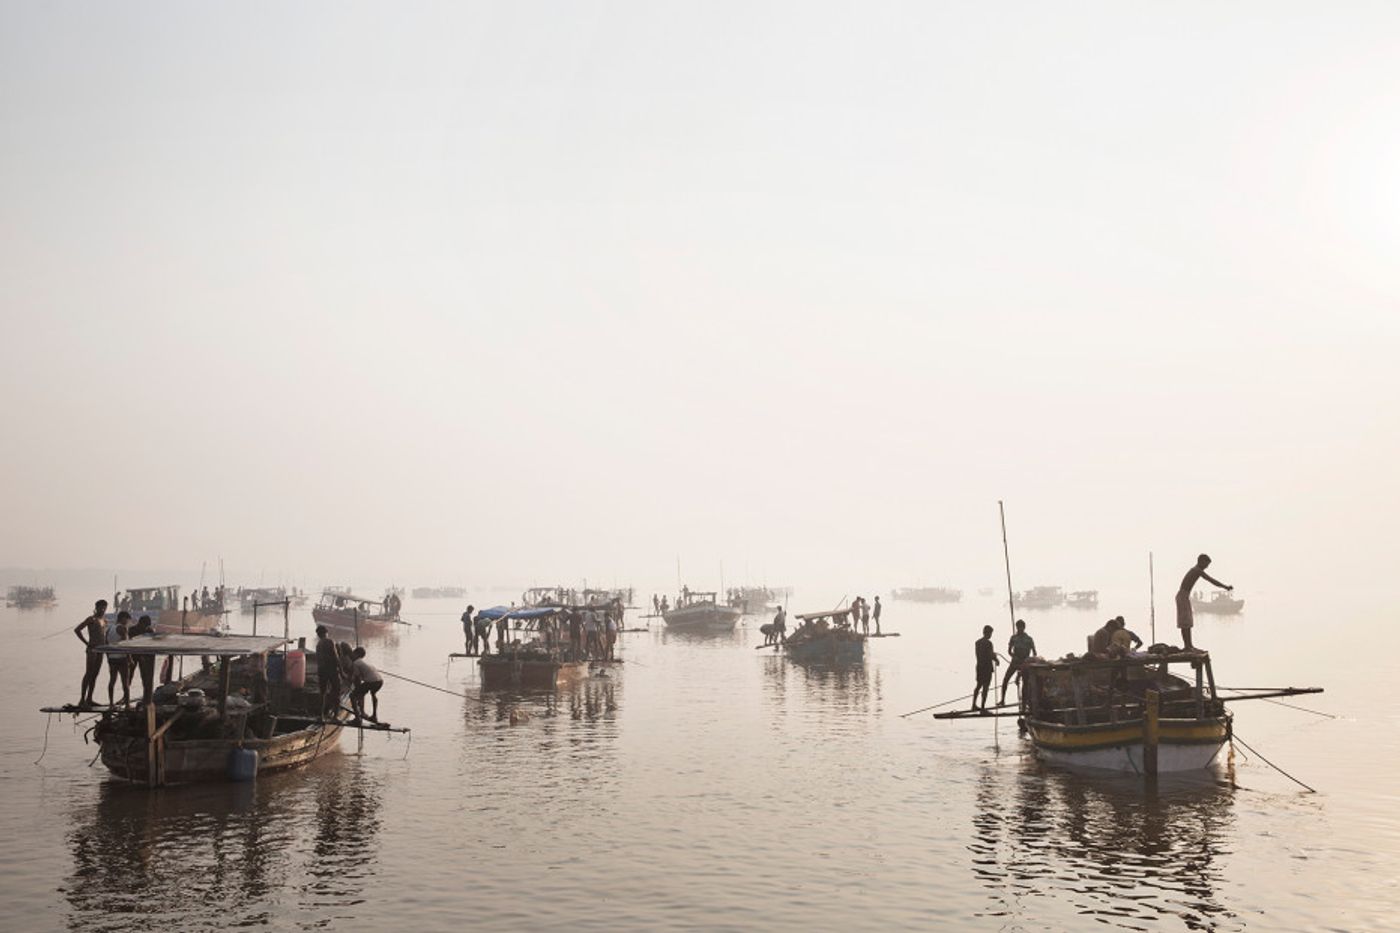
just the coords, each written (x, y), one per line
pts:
(1184, 620)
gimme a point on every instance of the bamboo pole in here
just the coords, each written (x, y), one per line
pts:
(1150, 734)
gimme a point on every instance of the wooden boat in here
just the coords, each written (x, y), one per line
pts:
(347, 613)
(1040, 597)
(928, 594)
(751, 600)
(701, 612)
(541, 663)
(168, 614)
(31, 597)
(260, 595)
(826, 638)
(1083, 599)
(1129, 714)
(1220, 603)
(180, 737)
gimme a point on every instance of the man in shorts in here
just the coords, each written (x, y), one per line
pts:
(1020, 648)
(90, 633)
(327, 671)
(986, 666)
(1184, 620)
(367, 681)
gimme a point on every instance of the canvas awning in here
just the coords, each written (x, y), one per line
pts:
(220, 646)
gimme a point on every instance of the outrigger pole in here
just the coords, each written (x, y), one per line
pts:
(1152, 596)
(1011, 605)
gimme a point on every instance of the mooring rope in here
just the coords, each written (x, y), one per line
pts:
(1236, 735)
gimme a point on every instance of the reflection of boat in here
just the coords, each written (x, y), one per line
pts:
(1221, 603)
(162, 604)
(1041, 597)
(542, 663)
(1083, 599)
(928, 594)
(30, 597)
(696, 612)
(439, 592)
(826, 637)
(349, 613)
(181, 737)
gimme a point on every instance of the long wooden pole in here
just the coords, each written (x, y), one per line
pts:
(1006, 555)
(1152, 595)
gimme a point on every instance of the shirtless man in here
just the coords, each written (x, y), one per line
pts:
(90, 633)
(1184, 620)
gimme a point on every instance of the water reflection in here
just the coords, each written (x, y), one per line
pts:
(1125, 853)
(145, 859)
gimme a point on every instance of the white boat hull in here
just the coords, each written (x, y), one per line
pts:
(1128, 758)
(704, 618)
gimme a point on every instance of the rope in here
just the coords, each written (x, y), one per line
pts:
(433, 687)
(1315, 712)
(48, 721)
(1236, 736)
(936, 706)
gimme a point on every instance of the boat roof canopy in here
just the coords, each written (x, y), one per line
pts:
(828, 614)
(350, 597)
(219, 646)
(520, 612)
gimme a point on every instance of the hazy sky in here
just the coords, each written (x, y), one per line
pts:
(514, 292)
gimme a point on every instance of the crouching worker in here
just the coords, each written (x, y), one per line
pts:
(367, 681)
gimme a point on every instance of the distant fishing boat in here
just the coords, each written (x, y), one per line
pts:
(1221, 603)
(31, 597)
(541, 663)
(249, 596)
(1083, 599)
(202, 728)
(346, 612)
(439, 592)
(1041, 597)
(168, 614)
(826, 638)
(701, 612)
(751, 600)
(928, 594)
(1129, 714)
(537, 597)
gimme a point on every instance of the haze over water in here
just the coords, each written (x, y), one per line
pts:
(704, 784)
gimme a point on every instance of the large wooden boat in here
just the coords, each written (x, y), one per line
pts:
(826, 638)
(31, 597)
(169, 615)
(701, 612)
(541, 663)
(928, 594)
(202, 728)
(1220, 603)
(347, 613)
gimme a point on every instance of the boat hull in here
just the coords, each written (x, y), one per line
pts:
(346, 622)
(501, 672)
(828, 651)
(703, 619)
(1183, 744)
(207, 760)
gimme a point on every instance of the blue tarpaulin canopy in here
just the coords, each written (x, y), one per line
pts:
(497, 612)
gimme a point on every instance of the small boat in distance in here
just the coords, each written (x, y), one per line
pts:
(1083, 599)
(260, 595)
(439, 592)
(543, 662)
(31, 597)
(826, 638)
(168, 614)
(928, 594)
(1041, 597)
(751, 600)
(346, 612)
(700, 612)
(1221, 603)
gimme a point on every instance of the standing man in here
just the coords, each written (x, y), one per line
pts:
(118, 665)
(1184, 619)
(327, 671)
(865, 617)
(145, 663)
(986, 666)
(876, 615)
(780, 626)
(483, 635)
(502, 624)
(575, 635)
(89, 632)
(1021, 647)
(468, 631)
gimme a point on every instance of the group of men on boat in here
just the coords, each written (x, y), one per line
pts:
(579, 633)
(1112, 640)
(338, 665)
(94, 632)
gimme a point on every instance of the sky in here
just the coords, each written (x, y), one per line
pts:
(504, 292)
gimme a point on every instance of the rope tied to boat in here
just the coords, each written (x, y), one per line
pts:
(1235, 736)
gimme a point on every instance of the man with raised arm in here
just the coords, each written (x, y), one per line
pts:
(1183, 597)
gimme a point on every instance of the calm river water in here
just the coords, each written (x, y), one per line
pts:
(706, 785)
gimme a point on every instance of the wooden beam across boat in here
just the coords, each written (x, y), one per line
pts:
(1284, 692)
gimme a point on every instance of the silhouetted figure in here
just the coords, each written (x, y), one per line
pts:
(469, 631)
(864, 617)
(90, 633)
(145, 663)
(1184, 620)
(327, 671)
(876, 615)
(366, 681)
(118, 665)
(986, 666)
(1019, 648)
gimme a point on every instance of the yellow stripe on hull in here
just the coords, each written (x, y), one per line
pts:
(1183, 744)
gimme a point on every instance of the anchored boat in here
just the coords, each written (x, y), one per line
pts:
(1041, 597)
(701, 612)
(1083, 599)
(349, 613)
(541, 663)
(168, 614)
(826, 638)
(1221, 603)
(31, 597)
(228, 721)
(1143, 713)
(928, 594)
